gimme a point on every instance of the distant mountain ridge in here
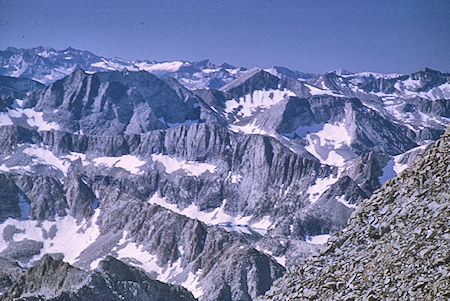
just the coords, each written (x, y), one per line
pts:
(46, 65)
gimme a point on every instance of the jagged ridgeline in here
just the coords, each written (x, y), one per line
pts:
(52, 279)
(214, 178)
(395, 247)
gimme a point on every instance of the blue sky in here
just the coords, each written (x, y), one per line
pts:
(310, 36)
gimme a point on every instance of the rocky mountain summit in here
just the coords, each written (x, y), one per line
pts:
(55, 280)
(218, 189)
(395, 247)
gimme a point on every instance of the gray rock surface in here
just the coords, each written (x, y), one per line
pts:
(10, 271)
(395, 246)
(9, 198)
(17, 87)
(114, 103)
(52, 279)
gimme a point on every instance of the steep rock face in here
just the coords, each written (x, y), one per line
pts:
(206, 114)
(368, 129)
(430, 82)
(22, 251)
(438, 107)
(262, 162)
(12, 135)
(114, 103)
(331, 211)
(381, 85)
(80, 198)
(284, 72)
(297, 112)
(367, 169)
(172, 242)
(333, 82)
(46, 195)
(9, 198)
(429, 78)
(394, 247)
(42, 63)
(213, 98)
(55, 280)
(17, 87)
(310, 112)
(10, 271)
(254, 79)
(207, 251)
(252, 268)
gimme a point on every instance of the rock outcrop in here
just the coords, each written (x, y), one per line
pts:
(395, 247)
(56, 280)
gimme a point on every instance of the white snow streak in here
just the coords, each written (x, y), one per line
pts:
(324, 143)
(320, 186)
(70, 238)
(259, 99)
(318, 239)
(192, 168)
(128, 162)
(341, 199)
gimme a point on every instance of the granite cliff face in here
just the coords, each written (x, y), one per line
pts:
(216, 190)
(394, 247)
(52, 279)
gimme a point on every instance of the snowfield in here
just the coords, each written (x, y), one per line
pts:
(258, 100)
(65, 235)
(192, 168)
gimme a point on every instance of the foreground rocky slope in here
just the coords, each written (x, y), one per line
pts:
(395, 247)
(56, 280)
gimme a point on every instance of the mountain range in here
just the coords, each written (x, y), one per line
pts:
(215, 178)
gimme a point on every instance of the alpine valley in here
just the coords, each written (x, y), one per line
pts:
(145, 180)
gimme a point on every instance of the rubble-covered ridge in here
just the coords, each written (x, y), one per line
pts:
(53, 279)
(395, 247)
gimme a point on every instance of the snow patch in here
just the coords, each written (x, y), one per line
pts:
(192, 283)
(32, 118)
(319, 187)
(5, 119)
(95, 263)
(326, 143)
(259, 99)
(192, 168)
(317, 91)
(341, 199)
(398, 165)
(318, 239)
(280, 259)
(235, 178)
(128, 162)
(263, 223)
(215, 217)
(46, 157)
(70, 239)
(251, 129)
(158, 67)
(146, 260)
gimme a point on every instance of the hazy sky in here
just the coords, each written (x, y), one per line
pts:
(310, 36)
